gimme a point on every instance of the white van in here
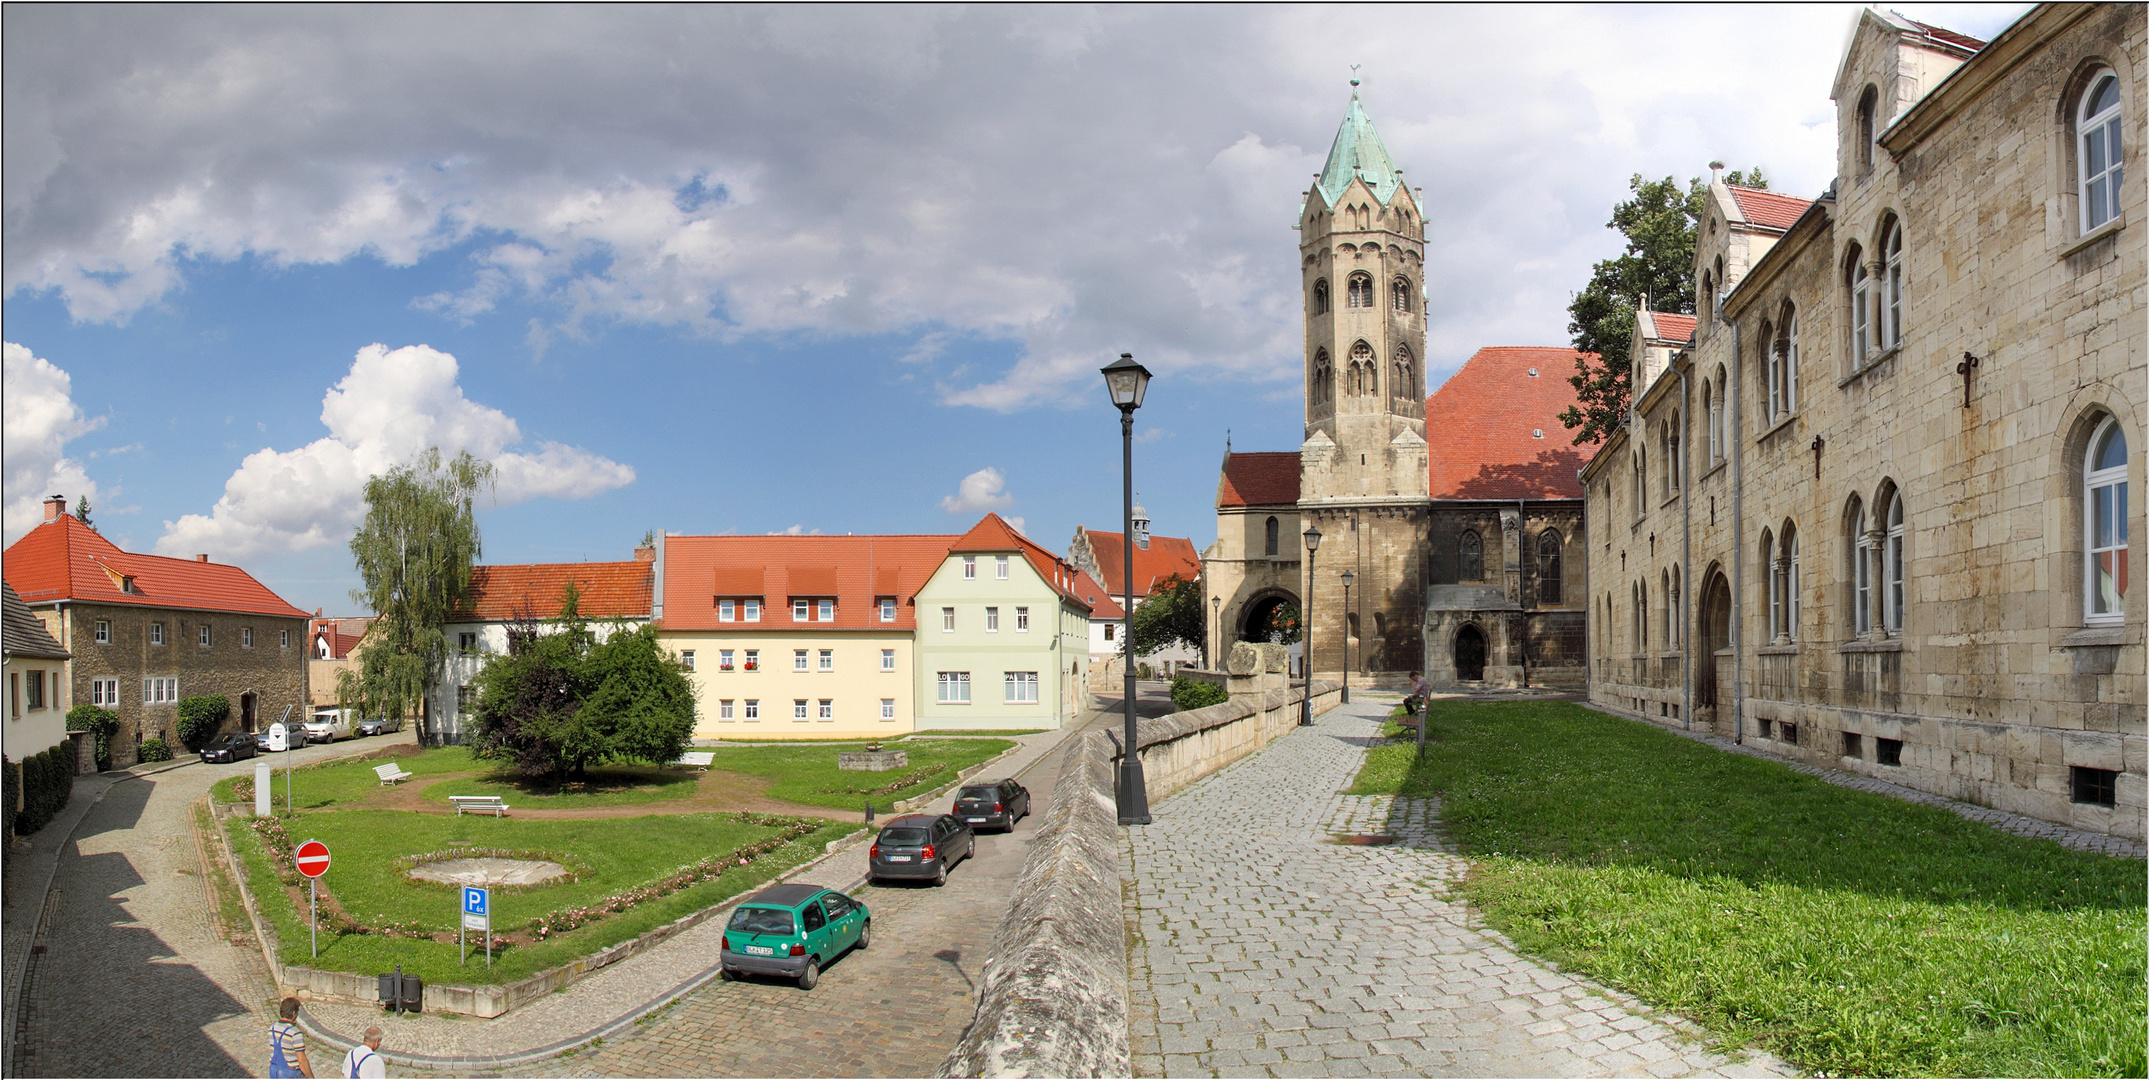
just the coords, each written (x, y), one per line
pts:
(329, 724)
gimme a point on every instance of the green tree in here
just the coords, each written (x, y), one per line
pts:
(1283, 626)
(201, 717)
(99, 721)
(1171, 615)
(82, 512)
(1659, 226)
(414, 554)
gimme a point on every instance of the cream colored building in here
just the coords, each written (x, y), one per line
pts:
(1874, 514)
(1002, 635)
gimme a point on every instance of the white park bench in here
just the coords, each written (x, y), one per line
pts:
(476, 803)
(698, 759)
(390, 773)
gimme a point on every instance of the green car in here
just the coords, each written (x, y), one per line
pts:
(791, 930)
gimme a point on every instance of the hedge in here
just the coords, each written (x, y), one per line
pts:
(1189, 694)
(153, 750)
(200, 718)
(46, 781)
(9, 781)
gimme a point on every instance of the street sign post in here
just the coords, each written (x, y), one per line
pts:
(477, 915)
(283, 742)
(312, 860)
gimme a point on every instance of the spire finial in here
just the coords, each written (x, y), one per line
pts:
(1354, 80)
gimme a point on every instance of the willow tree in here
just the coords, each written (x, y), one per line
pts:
(414, 553)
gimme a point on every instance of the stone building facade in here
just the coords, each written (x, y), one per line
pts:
(1873, 515)
(146, 631)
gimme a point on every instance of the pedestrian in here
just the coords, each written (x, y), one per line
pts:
(364, 1060)
(1418, 692)
(287, 1044)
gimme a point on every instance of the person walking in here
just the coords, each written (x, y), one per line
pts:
(364, 1060)
(287, 1044)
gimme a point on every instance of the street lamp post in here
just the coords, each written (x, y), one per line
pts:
(1348, 577)
(1305, 618)
(1127, 381)
(1216, 630)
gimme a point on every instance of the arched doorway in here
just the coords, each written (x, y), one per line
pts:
(1261, 622)
(1715, 635)
(1470, 654)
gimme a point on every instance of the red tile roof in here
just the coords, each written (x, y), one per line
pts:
(344, 634)
(1258, 479)
(1479, 427)
(64, 559)
(1941, 33)
(993, 534)
(23, 634)
(1673, 327)
(605, 590)
(1768, 209)
(1100, 599)
(1153, 565)
(856, 570)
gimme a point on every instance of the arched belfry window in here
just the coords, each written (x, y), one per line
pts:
(1323, 389)
(1273, 532)
(1320, 297)
(1361, 295)
(1469, 557)
(1399, 294)
(1364, 379)
(1548, 567)
(2104, 521)
(1406, 373)
(2097, 150)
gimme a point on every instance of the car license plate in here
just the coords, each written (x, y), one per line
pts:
(898, 858)
(760, 950)
(974, 819)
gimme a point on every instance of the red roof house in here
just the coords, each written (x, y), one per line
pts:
(1104, 556)
(604, 590)
(854, 571)
(63, 559)
(1767, 209)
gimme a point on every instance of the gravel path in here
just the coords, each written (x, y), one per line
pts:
(1266, 947)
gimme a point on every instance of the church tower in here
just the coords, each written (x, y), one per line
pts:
(1362, 264)
(1363, 477)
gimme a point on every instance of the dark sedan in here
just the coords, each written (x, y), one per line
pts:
(998, 804)
(920, 846)
(233, 746)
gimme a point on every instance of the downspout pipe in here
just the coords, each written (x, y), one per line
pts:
(1686, 556)
(1735, 401)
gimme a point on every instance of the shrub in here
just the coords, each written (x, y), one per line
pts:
(10, 781)
(101, 721)
(200, 718)
(1194, 694)
(46, 781)
(153, 750)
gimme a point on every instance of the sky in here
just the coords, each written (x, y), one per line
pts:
(709, 269)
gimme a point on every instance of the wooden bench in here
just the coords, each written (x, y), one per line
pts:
(699, 759)
(475, 803)
(390, 773)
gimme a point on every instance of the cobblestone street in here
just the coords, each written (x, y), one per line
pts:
(1267, 947)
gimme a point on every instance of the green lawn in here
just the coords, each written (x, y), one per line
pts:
(343, 780)
(612, 855)
(606, 785)
(1850, 933)
(808, 774)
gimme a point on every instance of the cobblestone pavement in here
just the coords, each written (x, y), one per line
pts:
(136, 978)
(1267, 948)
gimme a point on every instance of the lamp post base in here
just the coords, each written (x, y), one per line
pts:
(1133, 792)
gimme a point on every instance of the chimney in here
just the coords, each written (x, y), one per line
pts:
(55, 507)
(645, 553)
(203, 557)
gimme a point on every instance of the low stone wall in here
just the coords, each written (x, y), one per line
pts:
(1053, 997)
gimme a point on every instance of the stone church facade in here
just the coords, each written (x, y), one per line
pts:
(1366, 475)
(1870, 510)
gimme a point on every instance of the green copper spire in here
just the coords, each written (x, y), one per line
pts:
(1358, 152)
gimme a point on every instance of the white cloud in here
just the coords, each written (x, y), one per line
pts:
(985, 489)
(392, 406)
(1073, 181)
(41, 419)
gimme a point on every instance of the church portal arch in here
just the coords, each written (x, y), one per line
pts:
(1258, 616)
(1470, 654)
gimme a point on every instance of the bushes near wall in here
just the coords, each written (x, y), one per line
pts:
(1189, 694)
(11, 781)
(200, 718)
(45, 781)
(153, 750)
(102, 722)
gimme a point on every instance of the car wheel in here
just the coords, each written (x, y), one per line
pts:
(865, 935)
(940, 876)
(810, 976)
(728, 975)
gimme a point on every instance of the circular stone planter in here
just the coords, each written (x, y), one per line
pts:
(488, 871)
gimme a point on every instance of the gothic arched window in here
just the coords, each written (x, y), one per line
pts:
(2097, 152)
(2104, 520)
(1861, 575)
(1469, 557)
(1272, 533)
(1548, 567)
(1891, 566)
(1891, 287)
(1783, 367)
(1399, 294)
(1361, 295)
(1406, 373)
(1868, 126)
(1861, 309)
(1323, 389)
(1364, 379)
(1320, 297)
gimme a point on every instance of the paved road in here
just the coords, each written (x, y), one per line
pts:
(135, 977)
(1268, 949)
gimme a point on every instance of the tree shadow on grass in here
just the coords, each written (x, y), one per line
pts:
(650, 782)
(1568, 785)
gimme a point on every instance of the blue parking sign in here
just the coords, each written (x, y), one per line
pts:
(474, 900)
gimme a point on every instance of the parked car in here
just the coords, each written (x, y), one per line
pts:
(920, 846)
(295, 734)
(380, 725)
(230, 746)
(793, 931)
(998, 803)
(328, 725)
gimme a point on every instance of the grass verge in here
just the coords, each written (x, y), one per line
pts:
(1850, 933)
(808, 774)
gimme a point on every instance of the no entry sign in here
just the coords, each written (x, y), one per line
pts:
(312, 858)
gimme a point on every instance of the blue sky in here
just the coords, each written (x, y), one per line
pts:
(846, 270)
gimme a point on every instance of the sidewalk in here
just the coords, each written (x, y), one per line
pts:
(611, 1000)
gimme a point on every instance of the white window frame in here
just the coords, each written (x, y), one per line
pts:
(104, 692)
(992, 620)
(1774, 380)
(826, 660)
(1895, 596)
(1020, 688)
(246, 637)
(724, 710)
(825, 611)
(1789, 331)
(801, 609)
(2100, 488)
(753, 609)
(999, 567)
(724, 660)
(1861, 574)
(1891, 287)
(1770, 567)
(1022, 619)
(727, 611)
(753, 708)
(887, 708)
(204, 636)
(287, 639)
(798, 708)
(798, 660)
(753, 660)
(686, 657)
(953, 687)
(887, 659)
(969, 568)
(466, 642)
(887, 609)
(2098, 191)
(160, 690)
(1791, 584)
(1861, 310)
(102, 634)
(947, 620)
(825, 709)
(156, 633)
